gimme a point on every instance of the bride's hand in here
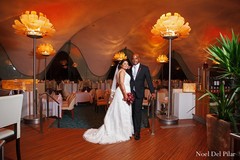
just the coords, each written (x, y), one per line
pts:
(125, 97)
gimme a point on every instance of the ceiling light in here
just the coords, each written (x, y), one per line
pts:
(171, 25)
(45, 49)
(162, 58)
(31, 24)
(119, 56)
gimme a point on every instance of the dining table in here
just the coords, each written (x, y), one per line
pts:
(54, 105)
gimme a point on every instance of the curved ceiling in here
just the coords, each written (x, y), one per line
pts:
(100, 28)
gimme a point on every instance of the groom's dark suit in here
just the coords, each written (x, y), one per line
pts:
(137, 88)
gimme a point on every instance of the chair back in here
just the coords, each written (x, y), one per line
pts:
(72, 101)
(162, 95)
(106, 96)
(10, 111)
(99, 94)
(102, 99)
(92, 92)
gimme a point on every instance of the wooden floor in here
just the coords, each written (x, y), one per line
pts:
(182, 142)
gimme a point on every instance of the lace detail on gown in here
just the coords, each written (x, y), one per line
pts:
(118, 125)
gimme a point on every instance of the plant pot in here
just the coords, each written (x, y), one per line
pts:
(218, 134)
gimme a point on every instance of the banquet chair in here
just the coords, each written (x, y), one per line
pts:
(163, 100)
(93, 93)
(66, 94)
(10, 119)
(69, 104)
(99, 94)
(102, 99)
(146, 99)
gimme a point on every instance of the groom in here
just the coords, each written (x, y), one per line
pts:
(139, 73)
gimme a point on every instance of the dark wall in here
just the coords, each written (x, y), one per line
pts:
(176, 71)
(61, 68)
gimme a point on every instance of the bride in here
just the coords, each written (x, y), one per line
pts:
(118, 125)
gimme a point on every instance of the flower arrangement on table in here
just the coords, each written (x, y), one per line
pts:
(130, 98)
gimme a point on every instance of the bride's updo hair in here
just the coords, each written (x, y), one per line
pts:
(121, 62)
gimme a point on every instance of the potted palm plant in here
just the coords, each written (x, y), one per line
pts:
(226, 53)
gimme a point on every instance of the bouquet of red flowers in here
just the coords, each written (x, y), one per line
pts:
(130, 98)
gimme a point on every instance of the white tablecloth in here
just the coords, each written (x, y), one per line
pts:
(53, 106)
(70, 87)
(83, 97)
(183, 105)
(27, 108)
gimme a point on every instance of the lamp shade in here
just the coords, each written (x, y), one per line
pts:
(171, 25)
(162, 58)
(32, 24)
(45, 49)
(119, 56)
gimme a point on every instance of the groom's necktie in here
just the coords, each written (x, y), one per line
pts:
(134, 71)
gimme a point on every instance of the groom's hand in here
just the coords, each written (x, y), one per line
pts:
(153, 95)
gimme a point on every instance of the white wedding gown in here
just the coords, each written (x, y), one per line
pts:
(118, 125)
